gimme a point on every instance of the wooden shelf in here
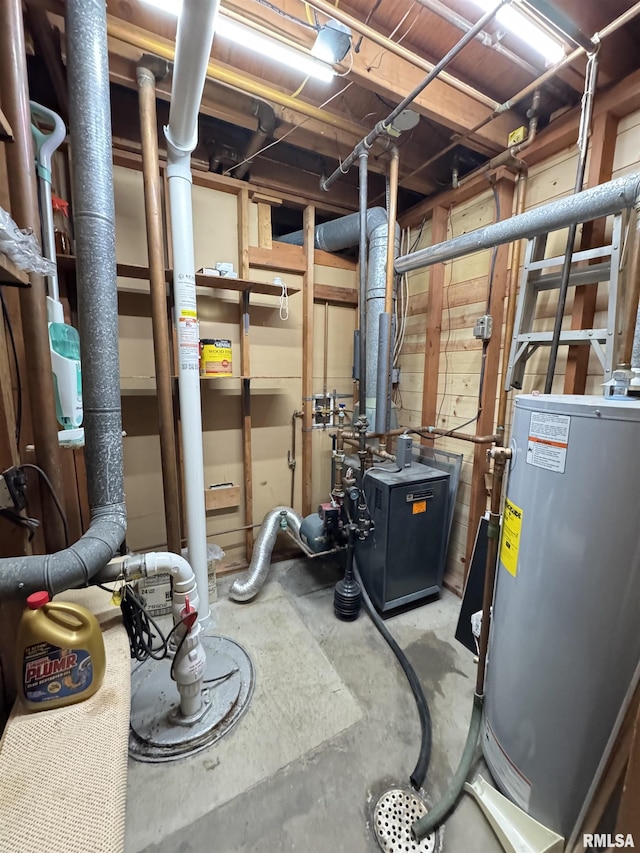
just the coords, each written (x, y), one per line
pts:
(11, 274)
(137, 386)
(241, 284)
(143, 386)
(68, 263)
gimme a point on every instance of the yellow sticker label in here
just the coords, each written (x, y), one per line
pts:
(188, 312)
(419, 506)
(511, 529)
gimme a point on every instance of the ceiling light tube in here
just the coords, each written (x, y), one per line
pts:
(525, 29)
(267, 47)
(246, 37)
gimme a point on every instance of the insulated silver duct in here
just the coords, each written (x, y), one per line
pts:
(342, 234)
(594, 203)
(250, 584)
(94, 220)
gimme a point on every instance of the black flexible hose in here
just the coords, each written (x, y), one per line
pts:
(420, 771)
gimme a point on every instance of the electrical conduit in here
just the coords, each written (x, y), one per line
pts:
(193, 47)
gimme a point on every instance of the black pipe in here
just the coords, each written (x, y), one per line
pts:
(420, 771)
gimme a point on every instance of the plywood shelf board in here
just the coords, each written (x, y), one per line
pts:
(135, 271)
(242, 284)
(11, 274)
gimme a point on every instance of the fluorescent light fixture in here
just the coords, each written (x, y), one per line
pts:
(524, 28)
(270, 48)
(333, 42)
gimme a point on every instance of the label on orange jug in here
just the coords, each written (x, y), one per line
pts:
(50, 672)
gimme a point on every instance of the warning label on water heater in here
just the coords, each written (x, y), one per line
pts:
(548, 441)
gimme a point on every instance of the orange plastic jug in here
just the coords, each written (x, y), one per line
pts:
(60, 655)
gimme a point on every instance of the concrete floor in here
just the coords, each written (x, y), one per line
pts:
(332, 725)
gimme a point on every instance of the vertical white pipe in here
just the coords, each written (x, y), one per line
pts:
(193, 46)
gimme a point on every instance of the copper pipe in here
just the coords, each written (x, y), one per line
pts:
(611, 28)
(512, 295)
(33, 306)
(493, 534)
(633, 294)
(349, 435)
(500, 457)
(158, 292)
(391, 236)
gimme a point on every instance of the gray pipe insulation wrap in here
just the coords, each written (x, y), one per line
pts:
(250, 584)
(594, 203)
(344, 233)
(94, 220)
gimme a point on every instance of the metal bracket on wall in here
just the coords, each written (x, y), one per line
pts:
(245, 311)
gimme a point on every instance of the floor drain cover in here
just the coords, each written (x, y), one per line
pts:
(394, 813)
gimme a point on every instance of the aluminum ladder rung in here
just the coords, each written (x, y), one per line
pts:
(558, 261)
(593, 274)
(568, 338)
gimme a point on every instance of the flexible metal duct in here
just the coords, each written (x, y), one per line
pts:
(594, 203)
(94, 220)
(250, 584)
(342, 234)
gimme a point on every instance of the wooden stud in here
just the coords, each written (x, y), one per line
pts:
(264, 226)
(281, 258)
(307, 357)
(603, 146)
(336, 295)
(434, 322)
(13, 539)
(222, 497)
(485, 423)
(613, 773)
(628, 821)
(245, 365)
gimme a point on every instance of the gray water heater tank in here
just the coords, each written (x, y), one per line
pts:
(565, 639)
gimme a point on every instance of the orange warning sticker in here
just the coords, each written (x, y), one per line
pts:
(419, 506)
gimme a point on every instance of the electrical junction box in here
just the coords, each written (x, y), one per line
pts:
(404, 445)
(483, 327)
(402, 560)
(517, 136)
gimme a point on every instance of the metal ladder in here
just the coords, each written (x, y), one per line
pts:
(539, 275)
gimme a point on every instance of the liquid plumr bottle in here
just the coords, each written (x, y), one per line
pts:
(60, 655)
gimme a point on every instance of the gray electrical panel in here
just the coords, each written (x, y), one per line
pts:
(402, 560)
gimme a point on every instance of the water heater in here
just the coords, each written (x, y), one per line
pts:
(565, 641)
